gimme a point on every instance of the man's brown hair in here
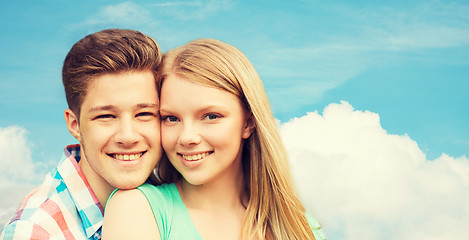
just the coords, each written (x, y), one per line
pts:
(107, 51)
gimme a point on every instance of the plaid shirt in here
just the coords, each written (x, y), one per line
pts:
(62, 207)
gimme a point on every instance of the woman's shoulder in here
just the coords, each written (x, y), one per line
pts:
(119, 196)
(147, 193)
(120, 218)
(165, 191)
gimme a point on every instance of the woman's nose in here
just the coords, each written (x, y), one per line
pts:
(189, 136)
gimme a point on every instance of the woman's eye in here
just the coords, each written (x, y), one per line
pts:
(212, 116)
(169, 119)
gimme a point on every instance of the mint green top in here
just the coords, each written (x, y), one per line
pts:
(173, 219)
(170, 213)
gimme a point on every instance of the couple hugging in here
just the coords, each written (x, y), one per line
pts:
(176, 146)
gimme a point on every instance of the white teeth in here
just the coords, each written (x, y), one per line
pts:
(195, 157)
(127, 156)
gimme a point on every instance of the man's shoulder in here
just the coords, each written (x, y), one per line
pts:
(62, 207)
(44, 198)
(44, 227)
(24, 229)
(43, 213)
(51, 190)
(49, 210)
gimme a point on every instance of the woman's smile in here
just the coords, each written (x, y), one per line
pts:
(195, 157)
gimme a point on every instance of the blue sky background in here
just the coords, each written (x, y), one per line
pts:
(407, 61)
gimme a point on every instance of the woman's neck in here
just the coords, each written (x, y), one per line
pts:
(216, 208)
(224, 193)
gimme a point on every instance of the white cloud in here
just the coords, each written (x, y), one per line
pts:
(126, 14)
(364, 183)
(15, 154)
(196, 10)
(18, 173)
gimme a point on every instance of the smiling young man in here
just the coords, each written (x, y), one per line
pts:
(109, 81)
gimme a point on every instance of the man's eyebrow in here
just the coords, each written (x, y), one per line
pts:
(147, 105)
(101, 108)
(112, 107)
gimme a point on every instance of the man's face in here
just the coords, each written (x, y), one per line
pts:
(119, 130)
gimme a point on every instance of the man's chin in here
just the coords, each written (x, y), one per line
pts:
(131, 185)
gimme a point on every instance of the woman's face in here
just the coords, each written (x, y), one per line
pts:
(202, 130)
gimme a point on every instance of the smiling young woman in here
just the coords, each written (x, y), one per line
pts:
(225, 171)
(203, 129)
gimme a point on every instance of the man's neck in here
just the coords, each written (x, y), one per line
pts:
(100, 187)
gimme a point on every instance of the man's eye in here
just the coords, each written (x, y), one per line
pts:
(144, 114)
(104, 116)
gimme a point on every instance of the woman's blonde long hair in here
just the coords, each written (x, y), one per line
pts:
(273, 211)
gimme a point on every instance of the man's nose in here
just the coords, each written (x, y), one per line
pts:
(127, 132)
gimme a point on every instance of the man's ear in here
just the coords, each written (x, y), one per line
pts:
(72, 123)
(249, 126)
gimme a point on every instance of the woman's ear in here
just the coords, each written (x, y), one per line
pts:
(72, 124)
(249, 126)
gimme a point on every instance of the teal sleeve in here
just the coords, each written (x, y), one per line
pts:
(158, 205)
(316, 227)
